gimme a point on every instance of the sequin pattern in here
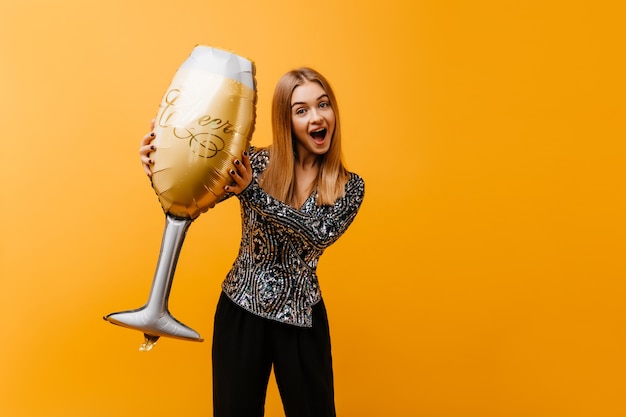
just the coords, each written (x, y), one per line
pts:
(274, 275)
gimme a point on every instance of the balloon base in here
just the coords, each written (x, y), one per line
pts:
(153, 326)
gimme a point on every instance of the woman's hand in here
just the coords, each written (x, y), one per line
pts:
(241, 175)
(146, 148)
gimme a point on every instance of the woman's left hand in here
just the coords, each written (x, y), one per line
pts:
(241, 175)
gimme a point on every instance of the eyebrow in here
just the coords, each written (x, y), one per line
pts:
(318, 99)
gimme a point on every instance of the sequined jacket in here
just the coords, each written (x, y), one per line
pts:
(274, 275)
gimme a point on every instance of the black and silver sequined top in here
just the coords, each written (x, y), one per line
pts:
(274, 273)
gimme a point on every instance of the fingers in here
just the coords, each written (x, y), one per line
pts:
(146, 144)
(241, 175)
(146, 148)
(245, 158)
(147, 170)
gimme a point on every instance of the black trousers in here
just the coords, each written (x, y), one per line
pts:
(246, 346)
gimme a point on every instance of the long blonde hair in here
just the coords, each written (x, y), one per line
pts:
(279, 180)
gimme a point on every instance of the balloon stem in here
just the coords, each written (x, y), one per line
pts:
(149, 342)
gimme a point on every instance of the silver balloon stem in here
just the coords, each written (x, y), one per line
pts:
(154, 318)
(171, 245)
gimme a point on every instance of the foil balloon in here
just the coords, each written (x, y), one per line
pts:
(205, 122)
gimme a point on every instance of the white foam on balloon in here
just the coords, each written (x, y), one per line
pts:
(222, 63)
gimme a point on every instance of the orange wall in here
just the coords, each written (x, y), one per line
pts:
(484, 277)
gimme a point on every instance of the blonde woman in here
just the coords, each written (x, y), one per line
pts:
(297, 198)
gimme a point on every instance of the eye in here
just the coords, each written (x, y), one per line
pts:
(324, 104)
(300, 111)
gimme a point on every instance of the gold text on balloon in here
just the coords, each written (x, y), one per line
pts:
(205, 134)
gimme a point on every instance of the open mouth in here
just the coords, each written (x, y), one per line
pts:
(319, 135)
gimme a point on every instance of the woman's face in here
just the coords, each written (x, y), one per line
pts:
(312, 119)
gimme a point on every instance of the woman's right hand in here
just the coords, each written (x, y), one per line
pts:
(146, 148)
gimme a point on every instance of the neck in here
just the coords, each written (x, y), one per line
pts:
(306, 161)
(310, 163)
(306, 172)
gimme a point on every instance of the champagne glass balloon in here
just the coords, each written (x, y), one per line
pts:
(205, 121)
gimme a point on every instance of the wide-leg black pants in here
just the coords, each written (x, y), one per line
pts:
(246, 346)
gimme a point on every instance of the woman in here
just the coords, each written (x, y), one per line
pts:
(297, 198)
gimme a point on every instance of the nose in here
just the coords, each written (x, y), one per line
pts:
(316, 116)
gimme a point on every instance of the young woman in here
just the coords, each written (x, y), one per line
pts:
(297, 198)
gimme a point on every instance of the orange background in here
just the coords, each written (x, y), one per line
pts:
(484, 276)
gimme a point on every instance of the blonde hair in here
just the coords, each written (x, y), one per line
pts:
(278, 180)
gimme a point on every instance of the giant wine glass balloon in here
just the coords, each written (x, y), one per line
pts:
(205, 121)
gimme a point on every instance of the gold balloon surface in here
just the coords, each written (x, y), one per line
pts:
(204, 123)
